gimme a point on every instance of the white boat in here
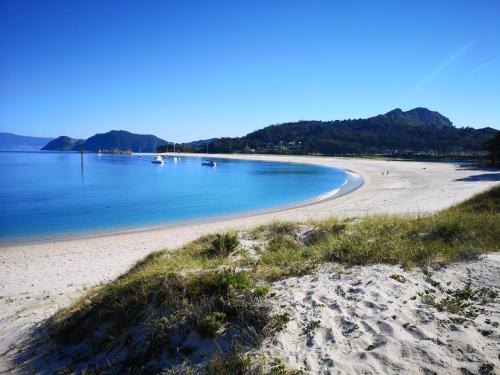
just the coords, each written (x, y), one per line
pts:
(208, 162)
(175, 158)
(157, 160)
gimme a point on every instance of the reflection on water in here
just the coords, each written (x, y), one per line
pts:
(81, 166)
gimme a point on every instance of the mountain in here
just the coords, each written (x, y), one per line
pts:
(63, 143)
(121, 140)
(112, 140)
(14, 142)
(201, 142)
(412, 132)
(418, 117)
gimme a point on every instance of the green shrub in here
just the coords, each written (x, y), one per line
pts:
(329, 228)
(398, 277)
(212, 323)
(466, 301)
(236, 362)
(281, 228)
(223, 244)
(487, 368)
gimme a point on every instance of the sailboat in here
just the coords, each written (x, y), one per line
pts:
(175, 157)
(157, 159)
(140, 152)
(208, 162)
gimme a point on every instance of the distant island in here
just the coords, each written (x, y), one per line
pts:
(63, 143)
(112, 140)
(14, 142)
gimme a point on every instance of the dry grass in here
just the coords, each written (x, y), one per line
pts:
(150, 310)
(459, 233)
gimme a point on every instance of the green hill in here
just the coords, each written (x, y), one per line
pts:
(112, 140)
(397, 132)
(63, 143)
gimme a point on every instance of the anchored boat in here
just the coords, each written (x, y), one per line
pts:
(157, 160)
(208, 162)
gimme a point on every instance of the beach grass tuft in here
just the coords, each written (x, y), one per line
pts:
(223, 244)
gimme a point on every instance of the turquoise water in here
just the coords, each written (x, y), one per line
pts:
(45, 194)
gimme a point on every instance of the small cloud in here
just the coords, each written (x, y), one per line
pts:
(483, 65)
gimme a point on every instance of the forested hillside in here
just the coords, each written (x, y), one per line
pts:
(417, 131)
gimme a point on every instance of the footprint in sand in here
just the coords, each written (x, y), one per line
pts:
(368, 328)
(385, 327)
(371, 305)
(349, 327)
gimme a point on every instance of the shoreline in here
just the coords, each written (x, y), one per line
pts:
(353, 182)
(38, 279)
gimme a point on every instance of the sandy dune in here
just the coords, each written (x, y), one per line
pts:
(362, 321)
(36, 279)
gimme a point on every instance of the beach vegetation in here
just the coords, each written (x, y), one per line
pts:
(312, 325)
(466, 301)
(236, 361)
(146, 313)
(398, 277)
(223, 244)
(487, 368)
(174, 304)
(212, 323)
(278, 322)
(493, 148)
(459, 233)
(277, 367)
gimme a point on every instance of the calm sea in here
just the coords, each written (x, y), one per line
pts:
(50, 193)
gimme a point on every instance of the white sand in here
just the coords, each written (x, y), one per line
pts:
(363, 306)
(37, 279)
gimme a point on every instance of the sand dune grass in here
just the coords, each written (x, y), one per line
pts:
(455, 234)
(162, 313)
(152, 309)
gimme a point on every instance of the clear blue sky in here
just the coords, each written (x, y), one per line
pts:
(187, 70)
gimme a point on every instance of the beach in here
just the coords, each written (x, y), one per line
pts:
(36, 279)
(362, 320)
